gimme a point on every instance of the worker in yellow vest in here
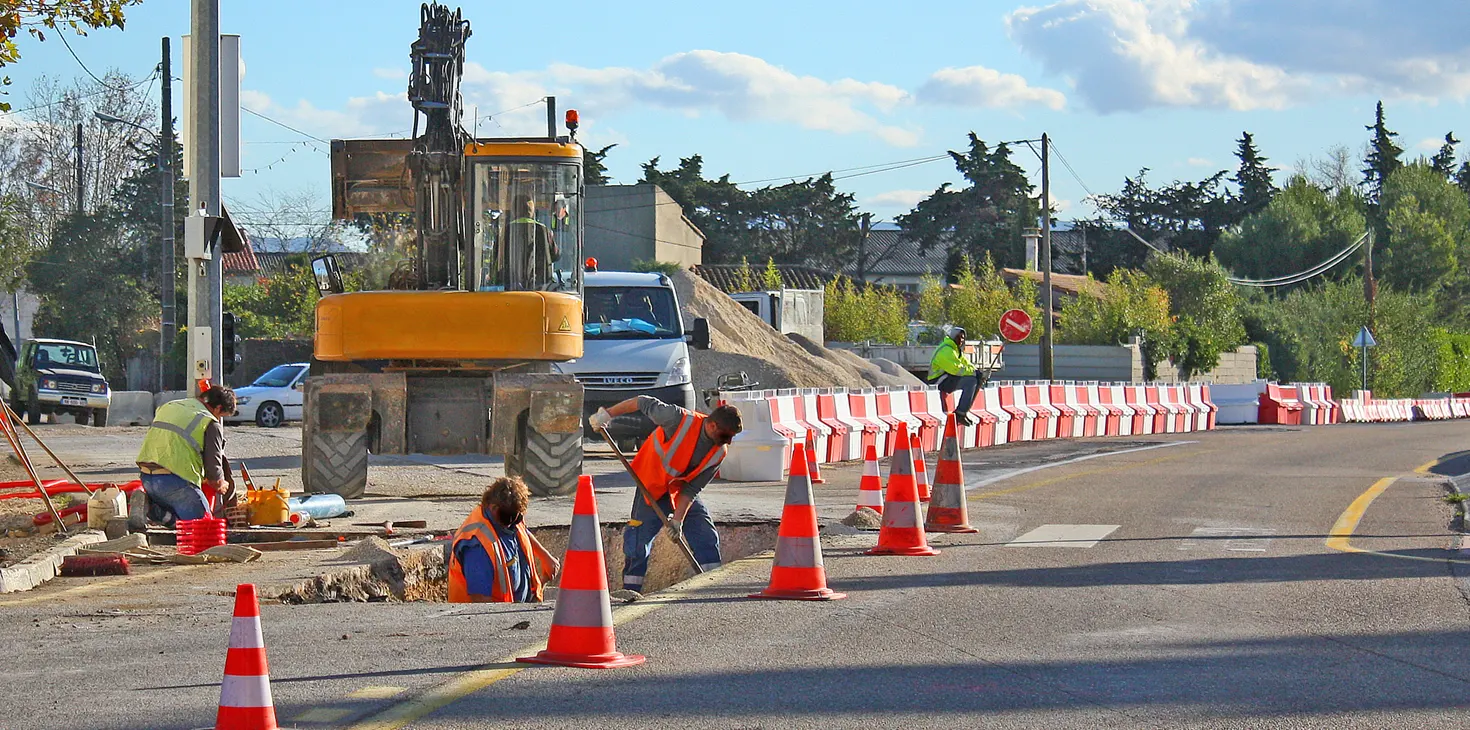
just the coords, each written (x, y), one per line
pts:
(183, 452)
(494, 558)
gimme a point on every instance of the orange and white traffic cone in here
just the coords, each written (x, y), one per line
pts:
(245, 694)
(870, 488)
(798, 573)
(811, 458)
(581, 624)
(901, 533)
(949, 512)
(921, 469)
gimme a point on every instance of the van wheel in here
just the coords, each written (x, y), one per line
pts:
(83, 416)
(33, 409)
(99, 417)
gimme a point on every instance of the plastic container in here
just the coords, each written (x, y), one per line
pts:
(105, 504)
(755, 459)
(196, 536)
(268, 506)
(319, 506)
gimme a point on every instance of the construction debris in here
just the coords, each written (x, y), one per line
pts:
(863, 518)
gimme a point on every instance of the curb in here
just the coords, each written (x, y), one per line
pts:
(45, 565)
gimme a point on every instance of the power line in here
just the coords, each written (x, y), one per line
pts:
(284, 125)
(66, 99)
(905, 163)
(95, 77)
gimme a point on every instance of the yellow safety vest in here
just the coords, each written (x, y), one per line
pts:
(176, 440)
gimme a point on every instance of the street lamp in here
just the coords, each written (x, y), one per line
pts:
(167, 260)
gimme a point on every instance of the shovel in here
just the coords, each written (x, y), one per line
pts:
(643, 491)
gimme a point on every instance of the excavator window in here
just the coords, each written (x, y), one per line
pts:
(527, 226)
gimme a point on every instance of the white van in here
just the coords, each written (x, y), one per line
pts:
(634, 343)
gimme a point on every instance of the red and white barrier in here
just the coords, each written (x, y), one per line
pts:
(930, 411)
(864, 405)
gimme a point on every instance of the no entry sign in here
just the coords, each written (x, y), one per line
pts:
(1015, 325)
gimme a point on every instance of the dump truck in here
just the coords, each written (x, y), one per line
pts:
(456, 355)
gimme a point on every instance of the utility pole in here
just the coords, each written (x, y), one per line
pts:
(204, 322)
(1047, 370)
(168, 324)
(865, 227)
(80, 177)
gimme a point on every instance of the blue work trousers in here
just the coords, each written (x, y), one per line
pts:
(171, 498)
(644, 526)
(965, 384)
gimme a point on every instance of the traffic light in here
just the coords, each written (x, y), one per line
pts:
(227, 342)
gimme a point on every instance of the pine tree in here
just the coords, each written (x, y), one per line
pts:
(1383, 158)
(1253, 177)
(594, 171)
(1462, 177)
(1443, 162)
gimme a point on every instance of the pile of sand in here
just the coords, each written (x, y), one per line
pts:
(740, 341)
(878, 372)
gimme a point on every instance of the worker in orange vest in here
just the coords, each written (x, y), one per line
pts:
(493, 558)
(675, 463)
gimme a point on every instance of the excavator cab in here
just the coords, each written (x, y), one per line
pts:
(455, 354)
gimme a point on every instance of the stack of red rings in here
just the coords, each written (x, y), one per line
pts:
(196, 536)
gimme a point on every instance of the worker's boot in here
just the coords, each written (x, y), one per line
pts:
(138, 511)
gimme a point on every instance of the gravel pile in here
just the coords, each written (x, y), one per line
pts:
(878, 372)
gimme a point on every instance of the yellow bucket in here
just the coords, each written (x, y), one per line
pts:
(268, 506)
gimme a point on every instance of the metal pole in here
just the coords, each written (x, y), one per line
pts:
(80, 178)
(15, 302)
(168, 324)
(204, 182)
(1364, 363)
(1047, 371)
(862, 261)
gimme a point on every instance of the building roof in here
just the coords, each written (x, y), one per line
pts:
(1067, 284)
(723, 276)
(273, 263)
(890, 253)
(240, 263)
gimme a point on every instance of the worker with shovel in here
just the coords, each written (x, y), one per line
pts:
(673, 466)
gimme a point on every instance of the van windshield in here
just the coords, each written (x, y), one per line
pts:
(65, 355)
(631, 313)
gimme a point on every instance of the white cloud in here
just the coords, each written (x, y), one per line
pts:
(1127, 55)
(1198, 162)
(1124, 55)
(1430, 144)
(905, 199)
(978, 86)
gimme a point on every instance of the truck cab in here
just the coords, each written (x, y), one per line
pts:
(634, 342)
(60, 376)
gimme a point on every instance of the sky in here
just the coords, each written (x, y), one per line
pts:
(769, 90)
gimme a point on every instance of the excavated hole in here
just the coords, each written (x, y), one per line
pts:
(422, 574)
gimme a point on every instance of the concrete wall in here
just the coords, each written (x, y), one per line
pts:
(1074, 362)
(1234, 367)
(802, 313)
(627, 223)
(258, 356)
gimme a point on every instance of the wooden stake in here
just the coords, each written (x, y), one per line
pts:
(6, 425)
(75, 479)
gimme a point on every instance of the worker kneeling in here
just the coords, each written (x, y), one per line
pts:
(674, 465)
(494, 558)
(182, 454)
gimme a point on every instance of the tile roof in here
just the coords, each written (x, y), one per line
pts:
(890, 253)
(273, 263)
(242, 263)
(722, 276)
(1069, 284)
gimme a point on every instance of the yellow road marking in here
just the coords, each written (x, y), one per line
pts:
(95, 586)
(1341, 535)
(376, 693)
(1090, 472)
(400, 715)
(322, 714)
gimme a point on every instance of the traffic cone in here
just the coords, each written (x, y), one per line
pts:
(870, 488)
(948, 512)
(245, 694)
(581, 625)
(921, 470)
(797, 572)
(811, 458)
(901, 533)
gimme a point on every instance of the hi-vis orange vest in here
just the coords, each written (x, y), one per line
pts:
(478, 527)
(665, 457)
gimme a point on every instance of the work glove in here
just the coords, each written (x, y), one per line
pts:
(600, 420)
(675, 529)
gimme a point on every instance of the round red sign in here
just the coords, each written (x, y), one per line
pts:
(1015, 325)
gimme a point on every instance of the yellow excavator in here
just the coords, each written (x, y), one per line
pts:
(455, 357)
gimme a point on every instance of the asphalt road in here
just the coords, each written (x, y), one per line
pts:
(1235, 579)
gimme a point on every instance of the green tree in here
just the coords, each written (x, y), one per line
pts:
(1252, 176)
(277, 307)
(88, 281)
(1301, 227)
(38, 16)
(1130, 305)
(17, 246)
(986, 217)
(1383, 156)
(1428, 223)
(1443, 161)
(594, 171)
(744, 278)
(771, 276)
(980, 295)
(1187, 216)
(1205, 309)
(931, 301)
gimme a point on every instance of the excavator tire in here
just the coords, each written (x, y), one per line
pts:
(337, 463)
(548, 462)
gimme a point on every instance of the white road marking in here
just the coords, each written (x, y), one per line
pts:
(1233, 539)
(987, 481)
(1064, 536)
